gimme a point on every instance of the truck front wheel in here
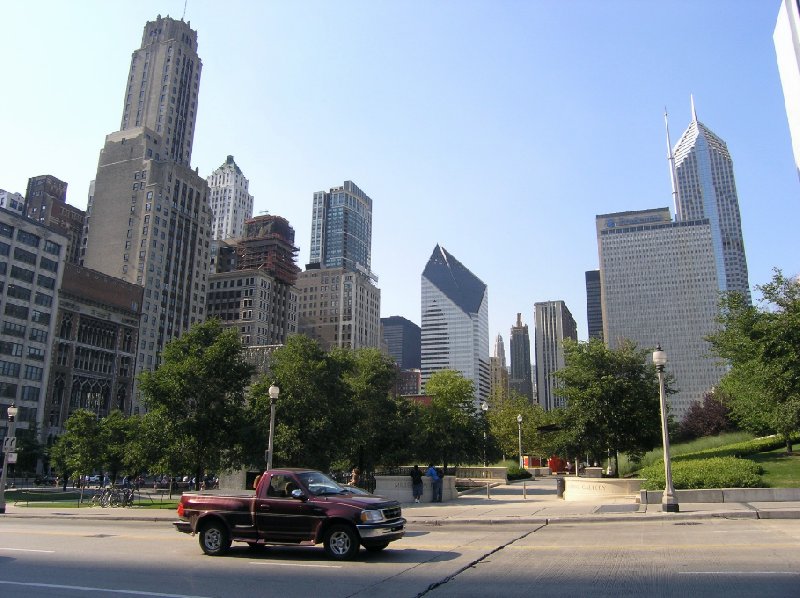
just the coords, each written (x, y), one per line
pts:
(214, 538)
(341, 542)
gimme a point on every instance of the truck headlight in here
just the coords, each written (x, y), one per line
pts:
(371, 516)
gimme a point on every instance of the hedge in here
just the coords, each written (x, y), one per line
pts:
(697, 473)
(739, 449)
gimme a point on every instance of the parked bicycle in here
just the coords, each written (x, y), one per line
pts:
(111, 496)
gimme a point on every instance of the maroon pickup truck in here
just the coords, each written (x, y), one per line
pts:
(293, 506)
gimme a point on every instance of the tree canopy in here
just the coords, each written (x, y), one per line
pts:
(197, 398)
(762, 346)
(612, 399)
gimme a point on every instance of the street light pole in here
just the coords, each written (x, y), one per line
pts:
(519, 430)
(485, 408)
(8, 447)
(274, 391)
(669, 501)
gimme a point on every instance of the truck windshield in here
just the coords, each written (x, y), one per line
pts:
(319, 484)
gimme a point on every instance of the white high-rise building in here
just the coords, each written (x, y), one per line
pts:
(554, 323)
(230, 200)
(455, 322)
(705, 187)
(787, 51)
(659, 286)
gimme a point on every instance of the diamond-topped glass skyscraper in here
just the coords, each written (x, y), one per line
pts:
(455, 322)
(705, 188)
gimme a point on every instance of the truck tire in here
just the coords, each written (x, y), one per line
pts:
(341, 542)
(214, 538)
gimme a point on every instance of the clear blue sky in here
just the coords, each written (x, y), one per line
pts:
(498, 129)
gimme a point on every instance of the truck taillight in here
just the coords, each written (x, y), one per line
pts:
(180, 509)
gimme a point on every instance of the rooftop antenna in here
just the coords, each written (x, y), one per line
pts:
(694, 112)
(185, 2)
(671, 160)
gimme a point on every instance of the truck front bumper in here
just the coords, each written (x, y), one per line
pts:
(379, 533)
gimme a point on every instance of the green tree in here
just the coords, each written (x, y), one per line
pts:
(502, 415)
(313, 414)
(197, 396)
(612, 399)
(116, 432)
(450, 428)
(79, 449)
(375, 416)
(762, 346)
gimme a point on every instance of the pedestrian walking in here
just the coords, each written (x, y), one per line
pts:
(436, 483)
(416, 483)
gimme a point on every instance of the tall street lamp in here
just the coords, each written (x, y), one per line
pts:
(274, 391)
(485, 409)
(519, 430)
(669, 502)
(9, 446)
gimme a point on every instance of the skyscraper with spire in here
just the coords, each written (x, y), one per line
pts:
(498, 370)
(455, 322)
(704, 187)
(521, 378)
(149, 221)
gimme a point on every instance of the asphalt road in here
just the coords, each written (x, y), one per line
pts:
(714, 557)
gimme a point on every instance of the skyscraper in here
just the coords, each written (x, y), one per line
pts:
(704, 187)
(554, 323)
(230, 200)
(594, 304)
(455, 321)
(521, 379)
(341, 229)
(46, 202)
(498, 371)
(149, 221)
(402, 339)
(787, 50)
(659, 284)
(339, 308)
(31, 271)
(252, 288)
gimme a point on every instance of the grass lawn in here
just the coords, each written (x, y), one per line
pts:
(780, 470)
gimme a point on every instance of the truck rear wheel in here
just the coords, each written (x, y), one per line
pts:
(214, 538)
(341, 542)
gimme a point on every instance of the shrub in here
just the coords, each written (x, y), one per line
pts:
(517, 473)
(696, 473)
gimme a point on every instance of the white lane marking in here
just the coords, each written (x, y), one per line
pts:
(295, 565)
(739, 573)
(54, 586)
(26, 550)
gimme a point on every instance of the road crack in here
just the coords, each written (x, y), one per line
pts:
(475, 562)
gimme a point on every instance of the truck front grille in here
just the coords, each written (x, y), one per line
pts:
(392, 513)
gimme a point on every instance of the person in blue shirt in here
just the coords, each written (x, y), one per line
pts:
(436, 483)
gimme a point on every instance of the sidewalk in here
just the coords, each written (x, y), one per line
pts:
(529, 502)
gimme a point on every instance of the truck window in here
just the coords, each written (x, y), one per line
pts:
(280, 486)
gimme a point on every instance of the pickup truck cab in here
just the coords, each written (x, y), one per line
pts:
(292, 506)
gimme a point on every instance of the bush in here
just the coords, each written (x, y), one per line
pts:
(696, 473)
(517, 473)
